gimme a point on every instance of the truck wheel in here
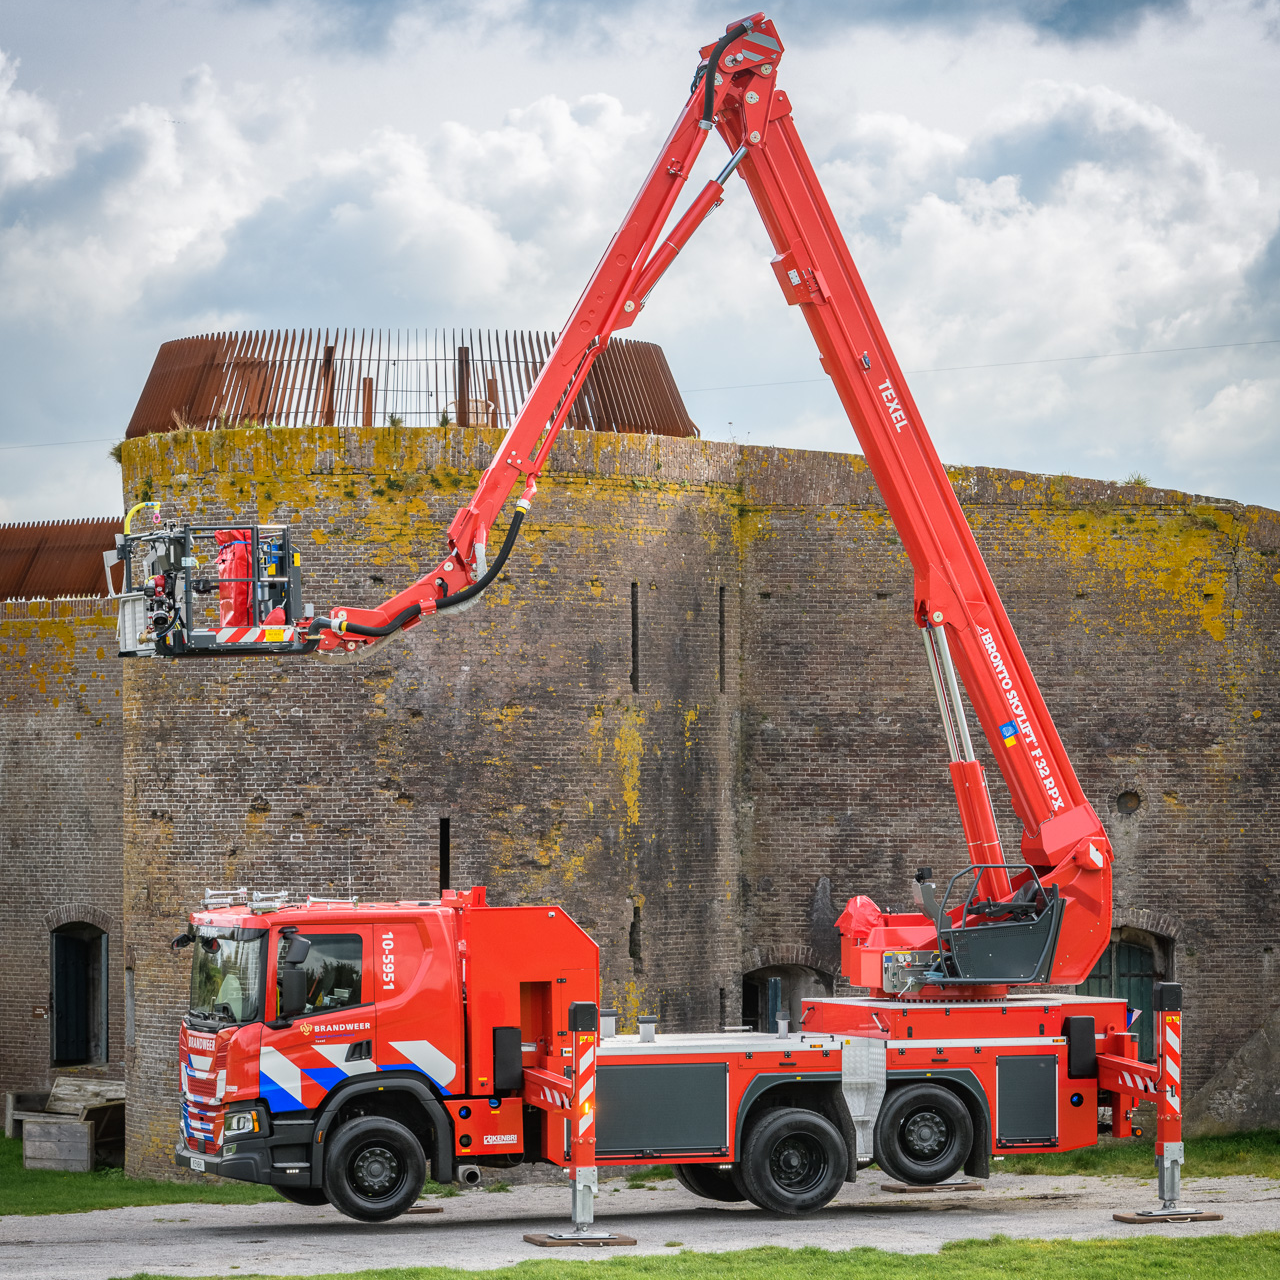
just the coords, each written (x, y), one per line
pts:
(304, 1195)
(707, 1181)
(374, 1170)
(793, 1161)
(923, 1134)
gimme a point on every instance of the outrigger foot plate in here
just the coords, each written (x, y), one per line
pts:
(1168, 1215)
(904, 1189)
(588, 1239)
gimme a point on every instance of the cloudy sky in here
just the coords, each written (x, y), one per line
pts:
(1023, 183)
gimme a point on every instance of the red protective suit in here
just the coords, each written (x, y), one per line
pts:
(233, 562)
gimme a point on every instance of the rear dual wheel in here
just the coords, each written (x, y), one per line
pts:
(793, 1161)
(923, 1134)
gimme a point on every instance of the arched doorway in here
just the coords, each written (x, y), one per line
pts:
(780, 987)
(78, 988)
(1129, 968)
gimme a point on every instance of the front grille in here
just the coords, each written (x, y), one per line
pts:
(202, 1124)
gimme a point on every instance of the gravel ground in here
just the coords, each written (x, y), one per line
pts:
(480, 1230)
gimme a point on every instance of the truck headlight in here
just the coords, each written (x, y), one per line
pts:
(241, 1122)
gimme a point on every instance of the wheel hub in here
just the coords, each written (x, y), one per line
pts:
(798, 1163)
(925, 1134)
(375, 1171)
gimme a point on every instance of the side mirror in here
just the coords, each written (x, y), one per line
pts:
(299, 949)
(293, 992)
(182, 940)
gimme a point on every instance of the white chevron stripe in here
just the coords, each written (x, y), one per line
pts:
(281, 1071)
(337, 1055)
(426, 1057)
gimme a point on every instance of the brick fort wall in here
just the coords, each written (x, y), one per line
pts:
(60, 829)
(702, 821)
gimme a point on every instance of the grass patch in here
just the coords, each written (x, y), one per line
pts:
(31, 1191)
(1256, 1153)
(498, 1186)
(441, 1189)
(643, 1179)
(1139, 1258)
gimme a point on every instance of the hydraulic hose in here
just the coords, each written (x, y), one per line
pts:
(449, 602)
(357, 629)
(709, 78)
(470, 593)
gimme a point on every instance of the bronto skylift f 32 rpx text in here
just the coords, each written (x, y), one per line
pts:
(338, 1049)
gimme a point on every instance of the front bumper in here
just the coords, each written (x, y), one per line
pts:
(250, 1161)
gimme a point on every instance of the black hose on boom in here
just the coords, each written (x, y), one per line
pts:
(470, 593)
(414, 610)
(357, 629)
(709, 87)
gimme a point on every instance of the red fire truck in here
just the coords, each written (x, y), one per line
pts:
(338, 1050)
(332, 1048)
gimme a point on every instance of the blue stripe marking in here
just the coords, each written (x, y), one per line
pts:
(413, 1066)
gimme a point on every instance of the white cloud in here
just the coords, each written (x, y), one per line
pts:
(154, 191)
(1071, 219)
(28, 131)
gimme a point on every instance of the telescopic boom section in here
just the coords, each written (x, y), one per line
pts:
(967, 633)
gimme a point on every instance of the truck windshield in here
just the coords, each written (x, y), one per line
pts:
(226, 974)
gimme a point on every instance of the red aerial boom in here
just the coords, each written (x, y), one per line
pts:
(1047, 921)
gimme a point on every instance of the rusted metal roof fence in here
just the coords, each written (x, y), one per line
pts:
(370, 377)
(55, 559)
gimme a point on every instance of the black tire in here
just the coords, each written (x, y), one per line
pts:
(793, 1161)
(923, 1134)
(374, 1169)
(708, 1181)
(304, 1195)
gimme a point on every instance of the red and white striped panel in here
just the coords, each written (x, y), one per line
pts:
(1138, 1084)
(555, 1098)
(547, 1090)
(584, 1136)
(256, 635)
(1172, 1054)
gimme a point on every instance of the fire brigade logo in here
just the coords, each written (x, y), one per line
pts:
(305, 1028)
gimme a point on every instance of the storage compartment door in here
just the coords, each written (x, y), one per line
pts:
(1027, 1100)
(665, 1108)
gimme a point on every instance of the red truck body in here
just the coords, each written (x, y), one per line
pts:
(456, 1019)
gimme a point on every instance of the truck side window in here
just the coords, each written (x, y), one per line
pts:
(333, 967)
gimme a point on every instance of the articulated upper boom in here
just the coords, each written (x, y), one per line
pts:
(992, 926)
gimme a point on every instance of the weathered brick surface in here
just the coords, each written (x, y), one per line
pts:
(737, 821)
(60, 827)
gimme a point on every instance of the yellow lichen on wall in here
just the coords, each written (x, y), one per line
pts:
(628, 748)
(45, 653)
(1175, 565)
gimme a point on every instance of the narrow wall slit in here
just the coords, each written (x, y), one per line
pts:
(633, 940)
(721, 639)
(635, 637)
(444, 854)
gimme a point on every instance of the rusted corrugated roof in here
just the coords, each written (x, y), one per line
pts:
(55, 558)
(292, 378)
